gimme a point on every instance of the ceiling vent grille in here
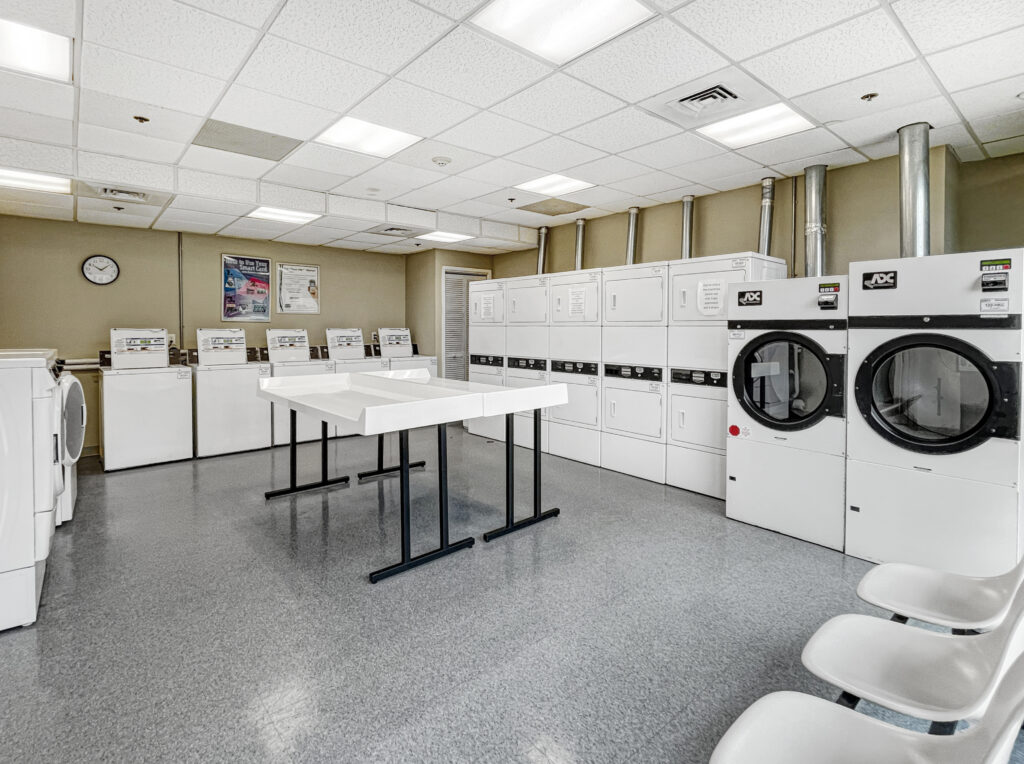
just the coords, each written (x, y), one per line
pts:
(123, 195)
(401, 231)
(709, 99)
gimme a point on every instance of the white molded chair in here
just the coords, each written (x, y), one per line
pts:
(967, 603)
(941, 677)
(793, 728)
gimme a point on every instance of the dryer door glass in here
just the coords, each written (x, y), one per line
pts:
(785, 382)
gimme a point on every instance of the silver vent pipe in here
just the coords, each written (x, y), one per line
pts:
(634, 218)
(815, 229)
(915, 217)
(542, 248)
(764, 239)
(580, 224)
(687, 252)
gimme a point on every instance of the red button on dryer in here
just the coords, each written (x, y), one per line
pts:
(734, 430)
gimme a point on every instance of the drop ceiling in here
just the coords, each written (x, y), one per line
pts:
(501, 115)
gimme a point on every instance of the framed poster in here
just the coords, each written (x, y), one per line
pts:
(245, 288)
(298, 288)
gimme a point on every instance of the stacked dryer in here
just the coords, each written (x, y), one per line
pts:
(934, 436)
(787, 425)
(289, 354)
(697, 340)
(526, 347)
(634, 333)
(72, 438)
(487, 348)
(574, 430)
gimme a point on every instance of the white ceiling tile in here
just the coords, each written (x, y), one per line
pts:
(396, 249)
(651, 183)
(597, 196)
(673, 151)
(292, 71)
(34, 156)
(501, 172)
(360, 209)
(468, 226)
(57, 16)
(284, 197)
(558, 103)
(492, 134)
(446, 192)
(721, 166)
(805, 144)
(839, 158)
(976, 63)
(743, 179)
(35, 127)
(251, 12)
(864, 44)
(420, 155)
(224, 162)
(555, 154)
(216, 186)
(40, 198)
(165, 223)
(349, 225)
(371, 238)
(475, 208)
(177, 216)
(493, 230)
(743, 28)
(1005, 147)
(412, 109)
(622, 130)
(188, 204)
(106, 110)
(344, 244)
(955, 135)
(523, 217)
(607, 170)
(25, 210)
(646, 61)
(251, 228)
(139, 79)
(500, 199)
(486, 242)
(938, 24)
(148, 211)
(34, 94)
(991, 99)
(666, 5)
(453, 9)
(169, 32)
(309, 235)
(272, 114)
(906, 83)
(315, 156)
(676, 194)
(971, 153)
(105, 140)
(412, 216)
(111, 169)
(999, 127)
(883, 125)
(381, 34)
(112, 218)
(302, 177)
(473, 68)
(390, 179)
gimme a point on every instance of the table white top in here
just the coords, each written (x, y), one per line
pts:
(385, 401)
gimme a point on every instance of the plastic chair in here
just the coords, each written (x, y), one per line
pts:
(941, 677)
(962, 603)
(793, 728)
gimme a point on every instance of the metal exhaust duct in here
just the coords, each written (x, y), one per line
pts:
(542, 248)
(815, 229)
(634, 218)
(580, 223)
(764, 239)
(915, 217)
(687, 252)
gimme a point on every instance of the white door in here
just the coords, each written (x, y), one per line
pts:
(528, 304)
(487, 306)
(634, 411)
(635, 300)
(697, 421)
(575, 303)
(583, 406)
(455, 323)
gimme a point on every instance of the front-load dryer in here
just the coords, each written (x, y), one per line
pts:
(528, 372)
(72, 438)
(786, 456)
(487, 370)
(487, 348)
(634, 314)
(933, 444)
(574, 429)
(633, 420)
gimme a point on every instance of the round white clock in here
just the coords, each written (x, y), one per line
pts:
(100, 269)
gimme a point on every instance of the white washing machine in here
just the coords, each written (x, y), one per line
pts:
(695, 456)
(72, 438)
(527, 314)
(428, 362)
(31, 478)
(933, 438)
(633, 420)
(786, 413)
(288, 350)
(229, 416)
(487, 370)
(396, 346)
(574, 429)
(527, 372)
(487, 348)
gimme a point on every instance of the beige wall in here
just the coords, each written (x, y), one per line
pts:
(991, 211)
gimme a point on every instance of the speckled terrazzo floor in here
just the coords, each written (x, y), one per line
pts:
(185, 619)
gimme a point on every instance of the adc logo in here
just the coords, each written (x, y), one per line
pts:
(749, 297)
(879, 280)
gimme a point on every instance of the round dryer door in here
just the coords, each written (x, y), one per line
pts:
(936, 394)
(786, 381)
(72, 418)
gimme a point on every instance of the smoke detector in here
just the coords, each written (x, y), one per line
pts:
(441, 161)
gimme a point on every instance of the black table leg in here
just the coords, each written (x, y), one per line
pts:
(510, 447)
(324, 481)
(408, 561)
(381, 470)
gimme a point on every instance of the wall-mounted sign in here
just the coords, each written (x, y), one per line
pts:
(245, 288)
(298, 288)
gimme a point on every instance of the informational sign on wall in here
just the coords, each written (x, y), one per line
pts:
(245, 288)
(298, 288)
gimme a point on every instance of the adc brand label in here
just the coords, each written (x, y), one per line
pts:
(879, 280)
(749, 297)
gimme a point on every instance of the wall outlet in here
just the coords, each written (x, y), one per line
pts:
(170, 340)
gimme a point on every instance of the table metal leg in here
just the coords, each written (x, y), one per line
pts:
(510, 510)
(324, 481)
(381, 470)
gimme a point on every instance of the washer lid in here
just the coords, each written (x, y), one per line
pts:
(73, 418)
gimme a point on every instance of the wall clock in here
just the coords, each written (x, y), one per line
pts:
(100, 269)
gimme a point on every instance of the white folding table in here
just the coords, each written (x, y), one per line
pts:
(376, 403)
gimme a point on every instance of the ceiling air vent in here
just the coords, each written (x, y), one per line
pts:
(401, 231)
(707, 100)
(123, 195)
(553, 207)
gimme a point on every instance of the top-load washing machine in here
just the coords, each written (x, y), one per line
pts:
(527, 314)
(289, 354)
(397, 348)
(933, 439)
(345, 347)
(487, 348)
(697, 369)
(786, 413)
(72, 438)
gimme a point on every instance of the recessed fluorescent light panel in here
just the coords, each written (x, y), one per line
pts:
(282, 216)
(367, 138)
(554, 185)
(448, 238)
(31, 50)
(560, 30)
(756, 126)
(34, 182)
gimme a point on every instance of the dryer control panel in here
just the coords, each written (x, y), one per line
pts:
(648, 373)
